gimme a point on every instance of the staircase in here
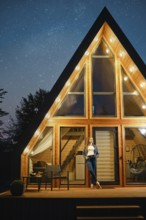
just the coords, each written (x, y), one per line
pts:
(72, 152)
(109, 212)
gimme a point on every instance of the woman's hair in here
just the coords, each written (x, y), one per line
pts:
(87, 141)
(90, 138)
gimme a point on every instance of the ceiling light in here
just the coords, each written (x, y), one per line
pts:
(135, 93)
(107, 50)
(125, 78)
(143, 106)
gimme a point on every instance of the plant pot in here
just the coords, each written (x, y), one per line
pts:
(17, 187)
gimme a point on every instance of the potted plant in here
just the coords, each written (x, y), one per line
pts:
(17, 187)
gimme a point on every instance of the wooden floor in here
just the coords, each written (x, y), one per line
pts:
(119, 192)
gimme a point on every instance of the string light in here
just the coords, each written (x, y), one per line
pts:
(112, 39)
(87, 53)
(26, 150)
(37, 133)
(121, 53)
(132, 69)
(57, 100)
(67, 83)
(142, 85)
(96, 39)
(47, 116)
(77, 67)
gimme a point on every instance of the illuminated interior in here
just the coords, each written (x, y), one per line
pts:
(104, 97)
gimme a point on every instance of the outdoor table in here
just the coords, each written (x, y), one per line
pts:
(28, 178)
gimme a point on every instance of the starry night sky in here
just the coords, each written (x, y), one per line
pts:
(39, 37)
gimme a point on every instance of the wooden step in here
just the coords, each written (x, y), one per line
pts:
(111, 218)
(114, 212)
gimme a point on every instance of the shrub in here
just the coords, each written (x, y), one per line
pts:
(17, 187)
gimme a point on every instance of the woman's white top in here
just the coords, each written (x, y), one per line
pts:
(90, 150)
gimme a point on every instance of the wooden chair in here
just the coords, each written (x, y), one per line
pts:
(54, 172)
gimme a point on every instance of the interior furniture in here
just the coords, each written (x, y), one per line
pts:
(53, 172)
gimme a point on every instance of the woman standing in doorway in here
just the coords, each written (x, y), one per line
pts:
(91, 153)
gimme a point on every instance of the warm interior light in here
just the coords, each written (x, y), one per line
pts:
(142, 131)
(135, 92)
(107, 50)
(143, 106)
(31, 153)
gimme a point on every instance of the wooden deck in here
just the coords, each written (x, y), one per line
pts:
(74, 204)
(119, 192)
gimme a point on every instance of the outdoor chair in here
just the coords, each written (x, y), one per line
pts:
(137, 162)
(53, 172)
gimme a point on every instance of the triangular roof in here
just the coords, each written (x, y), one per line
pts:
(104, 16)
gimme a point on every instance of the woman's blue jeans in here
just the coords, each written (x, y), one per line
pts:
(91, 164)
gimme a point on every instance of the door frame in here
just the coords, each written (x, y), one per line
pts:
(117, 158)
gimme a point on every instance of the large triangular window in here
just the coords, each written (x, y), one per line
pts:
(103, 81)
(133, 104)
(74, 102)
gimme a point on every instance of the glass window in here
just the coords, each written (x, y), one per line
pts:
(135, 155)
(74, 102)
(42, 153)
(132, 101)
(102, 50)
(72, 105)
(103, 75)
(103, 105)
(103, 81)
(71, 156)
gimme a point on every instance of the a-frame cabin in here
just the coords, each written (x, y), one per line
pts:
(100, 93)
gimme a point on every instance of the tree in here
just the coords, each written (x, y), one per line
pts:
(24, 114)
(2, 113)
